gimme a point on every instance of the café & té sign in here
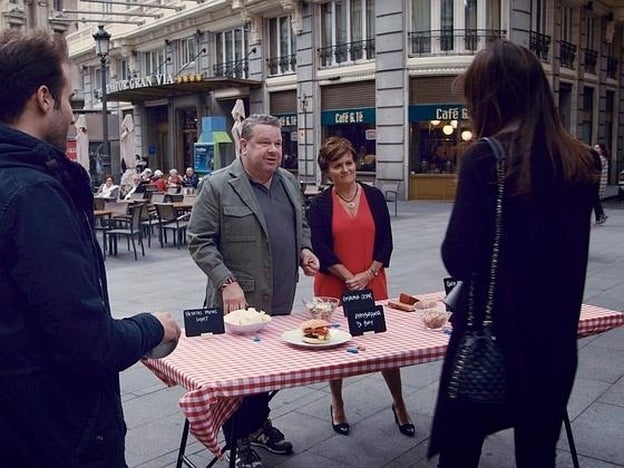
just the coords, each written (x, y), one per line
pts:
(437, 112)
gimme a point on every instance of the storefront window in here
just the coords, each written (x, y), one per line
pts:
(438, 145)
(290, 151)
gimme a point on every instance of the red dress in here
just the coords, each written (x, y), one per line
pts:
(354, 240)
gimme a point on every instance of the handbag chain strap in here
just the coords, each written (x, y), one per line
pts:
(497, 148)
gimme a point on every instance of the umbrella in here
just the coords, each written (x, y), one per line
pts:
(126, 141)
(238, 114)
(82, 142)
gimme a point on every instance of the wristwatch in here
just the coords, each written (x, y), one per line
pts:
(227, 282)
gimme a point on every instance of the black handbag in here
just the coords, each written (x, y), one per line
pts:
(478, 373)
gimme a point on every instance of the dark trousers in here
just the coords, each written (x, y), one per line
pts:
(598, 211)
(249, 416)
(535, 446)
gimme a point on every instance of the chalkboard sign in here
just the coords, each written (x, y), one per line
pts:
(362, 313)
(451, 299)
(198, 321)
(357, 300)
(449, 284)
(366, 320)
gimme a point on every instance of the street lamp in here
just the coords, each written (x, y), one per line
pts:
(102, 45)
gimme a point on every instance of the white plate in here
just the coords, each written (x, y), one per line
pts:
(336, 337)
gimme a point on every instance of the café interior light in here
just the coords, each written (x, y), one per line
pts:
(435, 122)
(454, 123)
(466, 135)
(447, 129)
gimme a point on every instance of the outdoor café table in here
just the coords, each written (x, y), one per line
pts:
(217, 371)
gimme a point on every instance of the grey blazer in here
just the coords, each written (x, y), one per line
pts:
(228, 235)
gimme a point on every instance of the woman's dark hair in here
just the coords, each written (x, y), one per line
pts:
(603, 150)
(333, 148)
(506, 88)
(29, 60)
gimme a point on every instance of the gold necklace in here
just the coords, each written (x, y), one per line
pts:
(349, 203)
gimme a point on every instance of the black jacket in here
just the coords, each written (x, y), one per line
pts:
(60, 349)
(320, 221)
(540, 283)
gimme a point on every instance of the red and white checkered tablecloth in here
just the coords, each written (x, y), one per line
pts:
(219, 370)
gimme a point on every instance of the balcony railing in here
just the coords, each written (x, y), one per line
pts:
(612, 65)
(591, 60)
(539, 44)
(233, 69)
(282, 65)
(452, 41)
(347, 52)
(568, 54)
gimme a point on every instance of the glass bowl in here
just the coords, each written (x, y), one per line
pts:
(245, 322)
(321, 307)
(434, 319)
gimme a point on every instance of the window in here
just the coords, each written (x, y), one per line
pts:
(154, 62)
(470, 18)
(567, 14)
(58, 5)
(347, 31)
(446, 25)
(421, 27)
(187, 51)
(124, 72)
(232, 51)
(282, 46)
(538, 16)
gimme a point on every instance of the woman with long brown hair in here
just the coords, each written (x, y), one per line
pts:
(549, 186)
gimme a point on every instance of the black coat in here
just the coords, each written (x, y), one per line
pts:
(60, 349)
(541, 277)
(320, 218)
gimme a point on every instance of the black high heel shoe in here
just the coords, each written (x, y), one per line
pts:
(406, 429)
(340, 428)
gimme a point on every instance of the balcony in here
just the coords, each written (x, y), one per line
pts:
(283, 65)
(539, 44)
(568, 54)
(347, 53)
(612, 66)
(591, 60)
(233, 69)
(452, 41)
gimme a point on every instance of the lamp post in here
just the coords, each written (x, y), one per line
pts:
(102, 44)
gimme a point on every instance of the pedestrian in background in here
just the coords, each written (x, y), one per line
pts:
(603, 153)
(550, 182)
(248, 234)
(60, 349)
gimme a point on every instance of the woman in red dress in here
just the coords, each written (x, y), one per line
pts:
(352, 238)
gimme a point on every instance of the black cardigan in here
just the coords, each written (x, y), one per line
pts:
(320, 220)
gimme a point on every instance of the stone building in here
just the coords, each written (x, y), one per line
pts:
(377, 72)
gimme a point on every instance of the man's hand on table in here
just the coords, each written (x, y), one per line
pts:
(233, 298)
(172, 330)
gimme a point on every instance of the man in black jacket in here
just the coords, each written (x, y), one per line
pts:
(60, 350)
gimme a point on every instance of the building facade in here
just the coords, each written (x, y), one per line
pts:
(380, 73)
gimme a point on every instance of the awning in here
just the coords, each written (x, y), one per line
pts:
(221, 137)
(148, 93)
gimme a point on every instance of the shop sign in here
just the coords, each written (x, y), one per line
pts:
(140, 82)
(288, 120)
(365, 115)
(419, 112)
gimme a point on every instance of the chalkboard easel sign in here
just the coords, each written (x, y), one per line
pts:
(366, 320)
(205, 320)
(362, 313)
(357, 300)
